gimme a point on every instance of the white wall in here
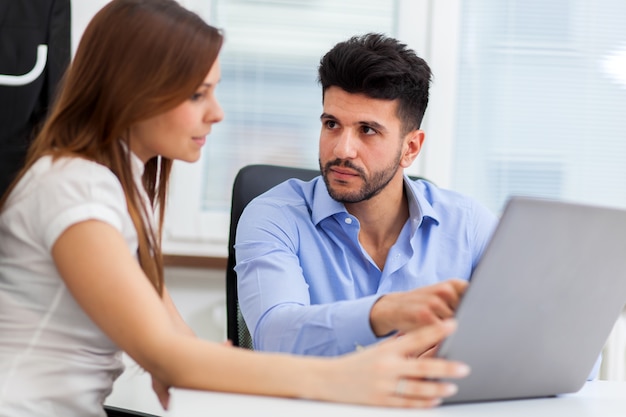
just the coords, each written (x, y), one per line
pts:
(200, 296)
(82, 12)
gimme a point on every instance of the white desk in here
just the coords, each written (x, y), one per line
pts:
(596, 399)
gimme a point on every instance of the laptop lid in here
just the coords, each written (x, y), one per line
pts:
(542, 301)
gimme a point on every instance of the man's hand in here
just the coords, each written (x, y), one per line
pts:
(409, 310)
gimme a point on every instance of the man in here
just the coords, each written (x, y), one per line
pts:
(361, 252)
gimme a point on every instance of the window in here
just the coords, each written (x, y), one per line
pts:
(527, 98)
(539, 100)
(271, 100)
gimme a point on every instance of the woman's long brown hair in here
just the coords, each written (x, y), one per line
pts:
(136, 59)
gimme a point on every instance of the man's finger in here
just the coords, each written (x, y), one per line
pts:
(420, 340)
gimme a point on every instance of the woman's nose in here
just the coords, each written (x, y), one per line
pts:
(214, 112)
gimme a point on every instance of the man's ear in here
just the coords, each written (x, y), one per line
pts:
(413, 142)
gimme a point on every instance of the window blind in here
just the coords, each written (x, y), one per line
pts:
(269, 88)
(541, 98)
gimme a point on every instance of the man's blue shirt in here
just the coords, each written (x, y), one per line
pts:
(305, 283)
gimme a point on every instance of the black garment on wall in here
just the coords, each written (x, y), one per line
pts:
(24, 25)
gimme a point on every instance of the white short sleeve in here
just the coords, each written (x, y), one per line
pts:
(69, 191)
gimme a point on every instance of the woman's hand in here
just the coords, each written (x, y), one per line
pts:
(162, 392)
(395, 372)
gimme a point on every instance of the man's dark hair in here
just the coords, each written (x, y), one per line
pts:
(382, 68)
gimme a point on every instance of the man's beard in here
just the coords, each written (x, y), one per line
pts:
(371, 186)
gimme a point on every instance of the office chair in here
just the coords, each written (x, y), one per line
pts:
(251, 181)
(112, 411)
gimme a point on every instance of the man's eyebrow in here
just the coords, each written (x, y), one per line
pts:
(374, 125)
(369, 123)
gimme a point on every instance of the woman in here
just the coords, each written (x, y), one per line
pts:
(81, 274)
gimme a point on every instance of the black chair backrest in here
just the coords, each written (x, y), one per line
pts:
(251, 181)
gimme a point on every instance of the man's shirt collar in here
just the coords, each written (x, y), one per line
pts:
(323, 205)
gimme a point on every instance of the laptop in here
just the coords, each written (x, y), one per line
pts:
(541, 302)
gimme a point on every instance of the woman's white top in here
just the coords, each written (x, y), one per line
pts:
(54, 361)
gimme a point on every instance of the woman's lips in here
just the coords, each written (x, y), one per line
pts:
(200, 140)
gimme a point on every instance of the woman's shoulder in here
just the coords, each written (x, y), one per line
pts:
(66, 176)
(57, 192)
(71, 169)
(71, 166)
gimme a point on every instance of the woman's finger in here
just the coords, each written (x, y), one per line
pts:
(424, 389)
